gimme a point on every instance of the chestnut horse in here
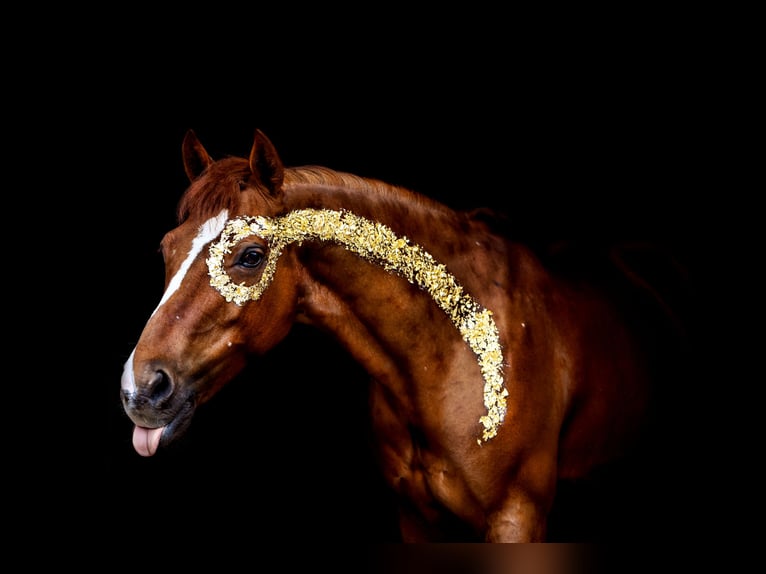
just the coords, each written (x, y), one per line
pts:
(492, 377)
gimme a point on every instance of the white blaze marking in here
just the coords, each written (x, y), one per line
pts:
(208, 231)
(128, 381)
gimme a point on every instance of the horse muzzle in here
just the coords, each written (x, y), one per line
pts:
(154, 404)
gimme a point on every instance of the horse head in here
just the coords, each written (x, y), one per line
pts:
(217, 261)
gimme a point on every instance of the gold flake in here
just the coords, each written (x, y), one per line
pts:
(377, 243)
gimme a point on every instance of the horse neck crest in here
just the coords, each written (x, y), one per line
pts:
(379, 244)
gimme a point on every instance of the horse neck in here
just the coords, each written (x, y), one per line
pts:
(375, 309)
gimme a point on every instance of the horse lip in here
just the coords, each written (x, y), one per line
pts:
(173, 424)
(180, 423)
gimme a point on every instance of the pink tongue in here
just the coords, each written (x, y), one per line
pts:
(145, 440)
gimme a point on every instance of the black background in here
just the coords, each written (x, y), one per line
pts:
(599, 139)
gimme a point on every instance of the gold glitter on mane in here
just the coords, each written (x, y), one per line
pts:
(377, 243)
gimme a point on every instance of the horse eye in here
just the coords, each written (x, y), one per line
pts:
(251, 258)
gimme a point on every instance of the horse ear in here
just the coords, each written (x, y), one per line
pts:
(265, 163)
(195, 157)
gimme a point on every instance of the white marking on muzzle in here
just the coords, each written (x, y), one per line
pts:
(207, 232)
(128, 381)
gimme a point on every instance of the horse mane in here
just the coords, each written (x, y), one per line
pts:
(221, 189)
(324, 176)
(207, 196)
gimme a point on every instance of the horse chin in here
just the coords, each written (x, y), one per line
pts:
(146, 441)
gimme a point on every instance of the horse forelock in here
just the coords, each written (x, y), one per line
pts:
(218, 189)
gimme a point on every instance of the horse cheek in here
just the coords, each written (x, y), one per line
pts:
(268, 321)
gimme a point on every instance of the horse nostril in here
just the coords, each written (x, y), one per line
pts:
(148, 393)
(158, 388)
